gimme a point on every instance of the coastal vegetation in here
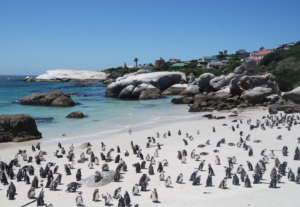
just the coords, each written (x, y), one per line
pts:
(283, 64)
(191, 67)
(120, 71)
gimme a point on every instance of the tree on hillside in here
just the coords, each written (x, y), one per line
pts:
(165, 66)
(150, 64)
(140, 65)
(136, 60)
(221, 54)
(225, 52)
(262, 48)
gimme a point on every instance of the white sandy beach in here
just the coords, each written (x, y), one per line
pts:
(179, 194)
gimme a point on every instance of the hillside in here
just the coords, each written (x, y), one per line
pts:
(284, 64)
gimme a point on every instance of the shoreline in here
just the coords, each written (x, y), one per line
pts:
(197, 116)
(212, 196)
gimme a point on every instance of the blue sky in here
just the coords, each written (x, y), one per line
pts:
(40, 35)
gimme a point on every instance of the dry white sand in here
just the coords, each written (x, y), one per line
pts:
(179, 194)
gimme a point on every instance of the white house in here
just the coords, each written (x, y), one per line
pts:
(215, 65)
(174, 60)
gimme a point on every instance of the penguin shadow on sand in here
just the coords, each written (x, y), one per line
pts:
(58, 190)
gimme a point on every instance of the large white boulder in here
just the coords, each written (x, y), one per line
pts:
(72, 74)
(293, 95)
(192, 90)
(217, 83)
(160, 80)
(204, 79)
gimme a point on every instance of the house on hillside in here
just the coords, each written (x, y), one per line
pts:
(285, 46)
(259, 55)
(174, 60)
(199, 65)
(159, 61)
(179, 65)
(212, 65)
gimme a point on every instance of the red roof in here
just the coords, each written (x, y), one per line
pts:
(256, 59)
(263, 52)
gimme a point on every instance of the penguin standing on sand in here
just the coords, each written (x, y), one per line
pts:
(272, 155)
(154, 195)
(179, 156)
(135, 189)
(117, 193)
(250, 166)
(96, 195)
(179, 178)
(156, 153)
(162, 176)
(103, 146)
(235, 180)
(107, 197)
(10, 193)
(210, 170)
(209, 181)
(250, 153)
(223, 184)
(160, 168)
(247, 182)
(193, 154)
(127, 199)
(201, 165)
(197, 180)
(168, 181)
(78, 175)
(256, 178)
(151, 170)
(121, 202)
(273, 183)
(185, 142)
(193, 176)
(31, 193)
(217, 160)
(183, 159)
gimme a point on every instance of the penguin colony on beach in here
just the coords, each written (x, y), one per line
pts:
(36, 172)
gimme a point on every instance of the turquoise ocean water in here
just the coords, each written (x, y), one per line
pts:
(104, 115)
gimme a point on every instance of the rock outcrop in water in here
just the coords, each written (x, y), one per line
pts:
(55, 98)
(62, 75)
(143, 86)
(18, 128)
(76, 114)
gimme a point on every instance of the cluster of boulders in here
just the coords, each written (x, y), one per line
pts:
(242, 88)
(144, 86)
(55, 98)
(18, 128)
